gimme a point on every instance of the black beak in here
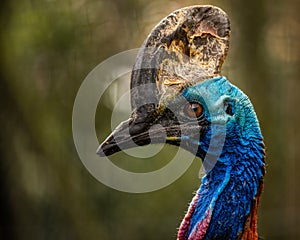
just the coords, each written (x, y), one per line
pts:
(121, 139)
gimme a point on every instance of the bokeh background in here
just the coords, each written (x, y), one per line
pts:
(47, 48)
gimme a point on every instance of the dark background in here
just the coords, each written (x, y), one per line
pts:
(46, 50)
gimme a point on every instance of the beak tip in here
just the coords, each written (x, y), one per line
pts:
(100, 151)
(107, 148)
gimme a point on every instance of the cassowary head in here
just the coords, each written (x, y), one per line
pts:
(184, 50)
(178, 96)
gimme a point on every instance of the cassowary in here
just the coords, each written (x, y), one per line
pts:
(176, 85)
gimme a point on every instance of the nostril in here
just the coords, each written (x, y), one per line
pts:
(141, 120)
(136, 128)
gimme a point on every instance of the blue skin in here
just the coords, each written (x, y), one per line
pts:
(231, 185)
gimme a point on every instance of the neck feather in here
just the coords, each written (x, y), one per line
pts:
(225, 206)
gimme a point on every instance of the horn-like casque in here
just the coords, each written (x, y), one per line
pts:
(186, 47)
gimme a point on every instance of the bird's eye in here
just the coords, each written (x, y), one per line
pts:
(194, 109)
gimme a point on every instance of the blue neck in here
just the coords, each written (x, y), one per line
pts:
(228, 190)
(225, 200)
(225, 206)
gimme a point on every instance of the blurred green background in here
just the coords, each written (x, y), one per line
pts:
(46, 50)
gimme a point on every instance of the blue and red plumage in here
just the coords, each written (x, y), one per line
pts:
(226, 204)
